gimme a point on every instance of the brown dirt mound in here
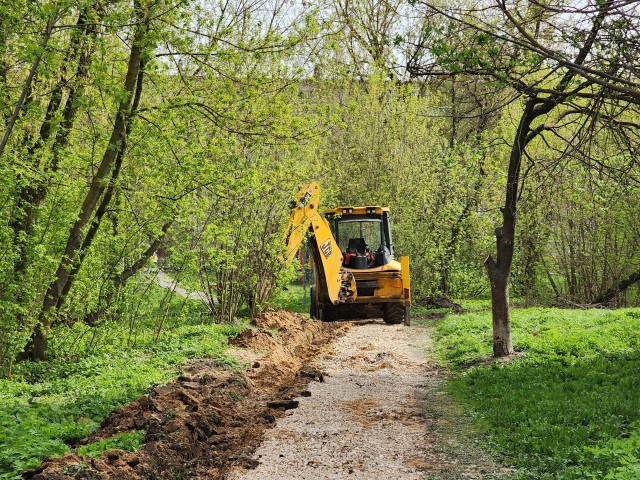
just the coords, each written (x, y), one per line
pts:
(431, 301)
(208, 419)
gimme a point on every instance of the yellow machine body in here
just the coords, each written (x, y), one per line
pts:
(305, 221)
(381, 288)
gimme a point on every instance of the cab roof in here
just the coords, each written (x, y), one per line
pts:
(349, 210)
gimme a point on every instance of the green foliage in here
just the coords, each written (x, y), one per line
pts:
(391, 147)
(476, 305)
(139, 322)
(294, 298)
(238, 106)
(209, 162)
(129, 441)
(569, 406)
(429, 312)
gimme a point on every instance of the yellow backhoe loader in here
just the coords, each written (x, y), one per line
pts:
(356, 273)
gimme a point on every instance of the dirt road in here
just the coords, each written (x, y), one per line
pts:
(379, 414)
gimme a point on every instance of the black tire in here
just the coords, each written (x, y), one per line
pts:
(394, 313)
(313, 304)
(329, 313)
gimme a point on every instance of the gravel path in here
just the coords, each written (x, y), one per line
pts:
(165, 281)
(371, 417)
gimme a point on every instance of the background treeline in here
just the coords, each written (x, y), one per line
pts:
(152, 128)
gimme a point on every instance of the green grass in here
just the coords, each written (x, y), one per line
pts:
(129, 441)
(475, 305)
(419, 311)
(47, 406)
(569, 406)
(291, 299)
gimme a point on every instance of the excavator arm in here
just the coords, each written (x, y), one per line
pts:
(333, 281)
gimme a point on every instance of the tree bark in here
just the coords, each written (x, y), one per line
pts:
(501, 316)
(499, 270)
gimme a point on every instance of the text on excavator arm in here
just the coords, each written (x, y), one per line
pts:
(305, 221)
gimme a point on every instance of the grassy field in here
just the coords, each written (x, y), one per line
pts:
(46, 407)
(568, 407)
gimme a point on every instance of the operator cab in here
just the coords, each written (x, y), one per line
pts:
(363, 235)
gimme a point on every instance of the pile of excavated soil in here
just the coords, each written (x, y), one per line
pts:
(209, 419)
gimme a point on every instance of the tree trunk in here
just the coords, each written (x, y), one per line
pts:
(502, 343)
(609, 295)
(499, 270)
(500, 313)
(38, 346)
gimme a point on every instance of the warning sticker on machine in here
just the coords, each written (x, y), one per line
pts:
(326, 248)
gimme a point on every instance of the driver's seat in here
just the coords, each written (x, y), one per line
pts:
(357, 245)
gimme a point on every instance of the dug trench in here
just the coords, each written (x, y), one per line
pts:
(209, 419)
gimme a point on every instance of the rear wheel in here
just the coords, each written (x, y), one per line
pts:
(329, 313)
(394, 313)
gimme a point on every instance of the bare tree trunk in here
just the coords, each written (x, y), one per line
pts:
(501, 316)
(499, 270)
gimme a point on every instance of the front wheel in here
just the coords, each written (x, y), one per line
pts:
(394, 313)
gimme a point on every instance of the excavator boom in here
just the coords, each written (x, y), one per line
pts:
(337, 283)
